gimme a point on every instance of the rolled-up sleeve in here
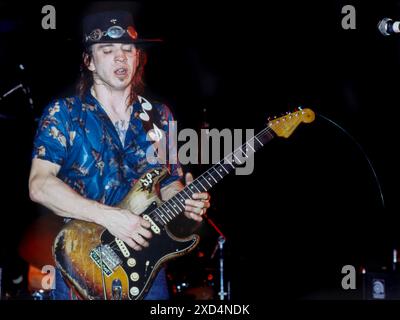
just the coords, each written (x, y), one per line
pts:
(52, 137)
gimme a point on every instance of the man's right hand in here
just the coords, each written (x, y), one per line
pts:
(48, 190)
(129, 227)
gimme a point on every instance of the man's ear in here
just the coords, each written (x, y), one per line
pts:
(88, 61)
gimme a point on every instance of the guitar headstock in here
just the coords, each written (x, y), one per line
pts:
(285, 125)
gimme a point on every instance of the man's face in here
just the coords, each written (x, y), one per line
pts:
(114, 64)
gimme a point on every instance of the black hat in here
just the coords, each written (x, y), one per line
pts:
(111, 27)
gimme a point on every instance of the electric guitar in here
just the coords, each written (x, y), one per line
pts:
(98, 265)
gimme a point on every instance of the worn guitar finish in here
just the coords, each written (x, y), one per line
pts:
(127, 273)
(99, 266)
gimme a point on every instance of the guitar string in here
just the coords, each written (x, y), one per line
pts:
(262, 134)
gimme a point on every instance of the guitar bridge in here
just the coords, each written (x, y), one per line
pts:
(105, 258)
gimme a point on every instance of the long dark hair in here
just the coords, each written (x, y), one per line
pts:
(85, 81)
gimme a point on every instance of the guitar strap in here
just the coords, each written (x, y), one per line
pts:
(152, 118)
(151, 121)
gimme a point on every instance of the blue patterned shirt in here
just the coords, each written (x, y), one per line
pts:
(79, 136)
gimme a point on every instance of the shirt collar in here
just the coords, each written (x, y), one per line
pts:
(90, 99)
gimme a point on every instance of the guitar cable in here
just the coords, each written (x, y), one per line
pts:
(362, 151)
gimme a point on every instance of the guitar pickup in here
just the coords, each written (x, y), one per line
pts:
(105, 258)
(153, 225)
(122, 247)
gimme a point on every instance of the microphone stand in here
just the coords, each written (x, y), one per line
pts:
(220, 245)
(221, 293)
(221, 239)
(19, 86)
(26, 90)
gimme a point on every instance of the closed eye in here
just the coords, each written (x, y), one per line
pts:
(128, 48)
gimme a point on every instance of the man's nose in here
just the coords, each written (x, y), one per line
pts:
(120, 56)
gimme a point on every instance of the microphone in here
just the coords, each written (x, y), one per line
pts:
(388, 27)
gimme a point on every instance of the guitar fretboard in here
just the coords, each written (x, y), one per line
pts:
(175, 206)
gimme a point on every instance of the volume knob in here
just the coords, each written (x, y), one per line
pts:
(134, 276)
(131, 262)
(134, 291)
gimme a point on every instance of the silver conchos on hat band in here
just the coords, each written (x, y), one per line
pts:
(95, 35)
(115, 32)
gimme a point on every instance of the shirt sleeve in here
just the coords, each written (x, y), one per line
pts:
(174, 167)
(52, 136)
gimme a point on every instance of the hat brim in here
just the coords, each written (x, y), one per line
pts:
(137, 42)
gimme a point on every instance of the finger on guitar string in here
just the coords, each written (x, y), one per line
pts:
(140, 240)
(132, 244)
(195, 216)
(145, 223)
(145, 233)
(196, 210)
(201, 196)
(197, 203)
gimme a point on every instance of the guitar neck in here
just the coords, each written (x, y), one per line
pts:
(175, 206)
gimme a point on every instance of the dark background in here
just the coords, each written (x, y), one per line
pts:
(312, 204)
